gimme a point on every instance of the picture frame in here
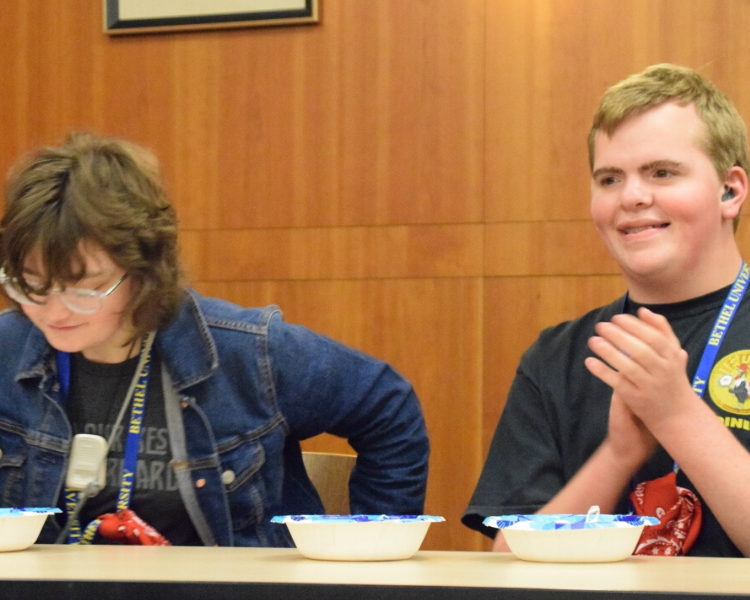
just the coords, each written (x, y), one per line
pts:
(146, 16)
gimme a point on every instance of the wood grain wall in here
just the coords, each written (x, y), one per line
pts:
(407, 176)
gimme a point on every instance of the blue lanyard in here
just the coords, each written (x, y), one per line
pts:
(718, 331)
(723, 320)
(721, 325)
(62, 359)
(130, 460)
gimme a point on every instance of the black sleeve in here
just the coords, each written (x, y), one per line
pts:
(523, 470)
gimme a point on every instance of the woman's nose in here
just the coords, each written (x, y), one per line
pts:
(54, 306)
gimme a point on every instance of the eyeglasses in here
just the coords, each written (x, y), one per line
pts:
(80, 300)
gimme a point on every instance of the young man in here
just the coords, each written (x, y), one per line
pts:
(201, 404)
(656, 382)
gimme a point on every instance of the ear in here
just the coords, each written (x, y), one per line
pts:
(734, 192)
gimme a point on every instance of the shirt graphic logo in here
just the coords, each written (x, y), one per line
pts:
(729, 383)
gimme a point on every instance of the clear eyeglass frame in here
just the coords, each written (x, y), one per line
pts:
(80, 300)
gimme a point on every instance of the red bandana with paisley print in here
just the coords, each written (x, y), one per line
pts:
(679, 513)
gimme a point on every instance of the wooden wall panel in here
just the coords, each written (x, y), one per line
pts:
(412, 110)
(545, 248)
(44, 95)
(365, 119)
(375, 116)
(334, 253)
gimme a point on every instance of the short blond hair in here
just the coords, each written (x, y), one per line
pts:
(725, 138)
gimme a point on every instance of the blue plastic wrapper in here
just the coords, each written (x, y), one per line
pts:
(556, 522)
(17, 512)
(354, 518)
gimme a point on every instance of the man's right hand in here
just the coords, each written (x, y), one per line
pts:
(629, 437)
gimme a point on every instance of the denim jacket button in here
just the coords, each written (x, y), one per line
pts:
(200, 483)
(184, 404)
(227, 477)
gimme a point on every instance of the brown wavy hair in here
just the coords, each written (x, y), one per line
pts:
(102, 190)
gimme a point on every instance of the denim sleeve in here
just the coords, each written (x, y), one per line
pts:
(323, 386)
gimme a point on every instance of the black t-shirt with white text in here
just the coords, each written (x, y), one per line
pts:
(97, 392)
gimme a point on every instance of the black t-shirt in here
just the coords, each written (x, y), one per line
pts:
(97, 392)
(557, 414)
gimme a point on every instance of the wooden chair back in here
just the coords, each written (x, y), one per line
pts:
(329, 473)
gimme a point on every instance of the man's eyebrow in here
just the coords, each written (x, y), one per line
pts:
(656, 164)
(660, 164)
(606, 171)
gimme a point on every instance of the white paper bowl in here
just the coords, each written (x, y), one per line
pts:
(20, 527)
(357, 537)
(569, 538)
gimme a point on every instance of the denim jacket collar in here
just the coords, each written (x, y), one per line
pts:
(186, 346)
(34, 355)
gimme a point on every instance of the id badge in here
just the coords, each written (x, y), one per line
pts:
(88, 457)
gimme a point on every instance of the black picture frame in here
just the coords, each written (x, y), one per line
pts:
(146, 16)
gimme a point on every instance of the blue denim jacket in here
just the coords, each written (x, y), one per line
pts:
(246, 387)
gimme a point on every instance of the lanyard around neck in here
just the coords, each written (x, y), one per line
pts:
(137, 391)
(721, 325)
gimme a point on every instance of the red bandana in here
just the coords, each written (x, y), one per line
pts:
(126, 527)
(678, 510)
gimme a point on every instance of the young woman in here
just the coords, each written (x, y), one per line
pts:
(196, 406)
